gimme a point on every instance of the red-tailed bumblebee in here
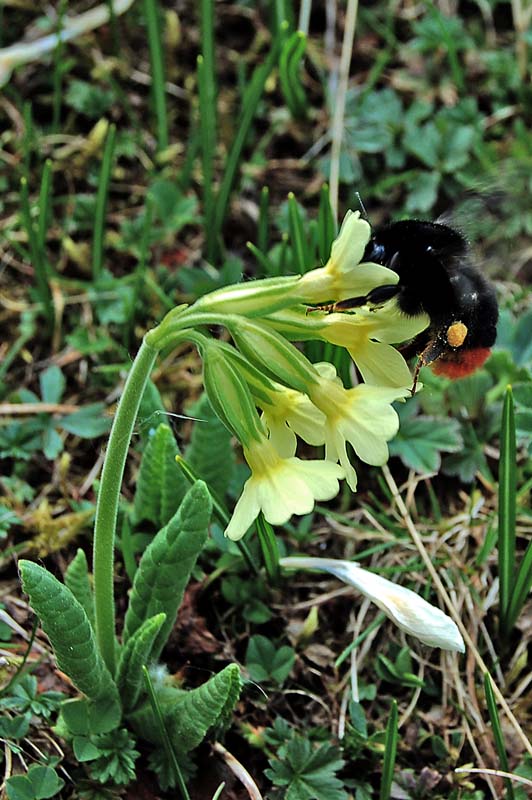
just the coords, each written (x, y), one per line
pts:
(437, 277)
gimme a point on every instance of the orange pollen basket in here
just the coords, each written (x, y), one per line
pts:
(461, 363)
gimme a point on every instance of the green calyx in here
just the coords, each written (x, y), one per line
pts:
(229, 394)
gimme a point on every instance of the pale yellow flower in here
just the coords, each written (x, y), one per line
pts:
(405, 608)
(280, 487)
(344, 276)
(362, 416)
(366, 333)
(289, 413)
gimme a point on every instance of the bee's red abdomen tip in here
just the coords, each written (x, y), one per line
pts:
(460, 363)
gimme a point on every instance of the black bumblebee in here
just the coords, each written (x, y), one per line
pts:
(437, 277)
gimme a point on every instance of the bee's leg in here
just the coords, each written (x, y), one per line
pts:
(416, 375)
(377, 296)
(434, 349)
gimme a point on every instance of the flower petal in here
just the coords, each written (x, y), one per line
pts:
(348, 247)
(282, 436)
(283, 496)
(321, 477)
(380, 364)
(371, 421)
(280, 487)
(408, 610)
(246, 511)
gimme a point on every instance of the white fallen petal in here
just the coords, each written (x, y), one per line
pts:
(408, 610)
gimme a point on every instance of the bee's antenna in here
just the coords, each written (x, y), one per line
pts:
(362, 206)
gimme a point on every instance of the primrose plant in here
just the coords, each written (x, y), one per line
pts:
(261, 371)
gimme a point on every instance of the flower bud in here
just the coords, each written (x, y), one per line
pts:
(273, 353)
(408, 610)
(229, 395)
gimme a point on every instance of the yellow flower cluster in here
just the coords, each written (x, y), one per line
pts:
(270, 395)
(266, 371)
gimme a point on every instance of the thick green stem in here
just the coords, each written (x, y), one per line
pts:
(108, 497)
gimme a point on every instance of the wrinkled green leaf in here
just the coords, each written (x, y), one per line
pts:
(421, 440)
(189, 715)
(210, 453)
(65, 622)
(135, 654)
(166, 565)
(78, 581)
(160, 486)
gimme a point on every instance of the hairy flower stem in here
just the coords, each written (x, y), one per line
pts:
(108, 498)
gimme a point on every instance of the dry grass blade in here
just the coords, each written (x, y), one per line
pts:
(239, 770)
(416, 538)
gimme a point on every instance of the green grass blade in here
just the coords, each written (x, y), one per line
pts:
(208, 147)
(269, 548)
(250, 103)
(297, 235)
(151, 12)
(264, 222)
(140, 270)
(390, 751)
(164, 735)
(449, 43)
(283, 256)
(101, 203)
(208, 121)
(289, 62)
(521, 588)
(507, 494)
(36, 253)
(326, 225)
(19, 670)
(377, 622)
(193, 146)
(497, 732)
(28, 138)
(264, 261)
(44, 204)
(113, 22)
